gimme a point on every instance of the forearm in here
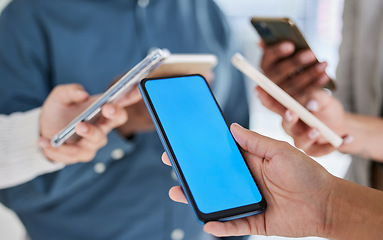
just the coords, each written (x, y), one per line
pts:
(354, 212)
(368, 136)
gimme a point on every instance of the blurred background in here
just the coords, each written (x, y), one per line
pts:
(320, 22)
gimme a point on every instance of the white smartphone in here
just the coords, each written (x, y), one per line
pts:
(185, 64)
(285, 99)
(122, 86)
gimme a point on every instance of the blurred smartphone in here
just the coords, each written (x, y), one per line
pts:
(185, 64)
(208, 163)
(274, 30)
(119, 88)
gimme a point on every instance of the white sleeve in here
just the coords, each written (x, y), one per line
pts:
(20, 157)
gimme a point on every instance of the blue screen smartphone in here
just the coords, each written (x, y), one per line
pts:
(209, 165)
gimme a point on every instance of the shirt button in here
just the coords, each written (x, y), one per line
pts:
(143, 3)
(99, 168)
(177, 234)
(173, 175)
(117, 154)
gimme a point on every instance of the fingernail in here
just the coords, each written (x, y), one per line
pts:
(286, 47)
(81, 93)
(256, 91)
(328, 91)
(237, 125)
(348, 139)
(82, 127)
(313, 134)
(312, 105)
(288, 116)
(111, 110)
(236, 133)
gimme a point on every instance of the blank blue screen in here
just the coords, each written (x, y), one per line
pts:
(208, 156)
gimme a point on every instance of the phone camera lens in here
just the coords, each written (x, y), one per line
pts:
(265, 32)
(263, 25)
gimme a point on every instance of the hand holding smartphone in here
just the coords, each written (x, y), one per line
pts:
(276, 30)
(285, 99)
(209, 165)
(119, 88)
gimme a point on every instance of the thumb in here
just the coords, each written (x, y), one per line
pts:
(237, 227)
(68, 94)
(255, 143)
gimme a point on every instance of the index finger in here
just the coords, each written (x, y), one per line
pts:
(273, 54)
(269, 102)
(177, 195)
(165, 159)
(131, 97)
(68, 94)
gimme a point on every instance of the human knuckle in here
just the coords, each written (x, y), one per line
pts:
(103, 141)
(87, 156)
(74, 152)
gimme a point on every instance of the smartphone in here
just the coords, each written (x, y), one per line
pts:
(208, 163)
(285, 99)
(274, 30)
(185, 64)
(119, 88)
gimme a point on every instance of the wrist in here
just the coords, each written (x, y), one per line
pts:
(334, 224)
(353, 212)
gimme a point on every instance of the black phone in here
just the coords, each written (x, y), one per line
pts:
(214, 175)
(274, 30)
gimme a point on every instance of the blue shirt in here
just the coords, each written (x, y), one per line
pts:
(44, 43)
